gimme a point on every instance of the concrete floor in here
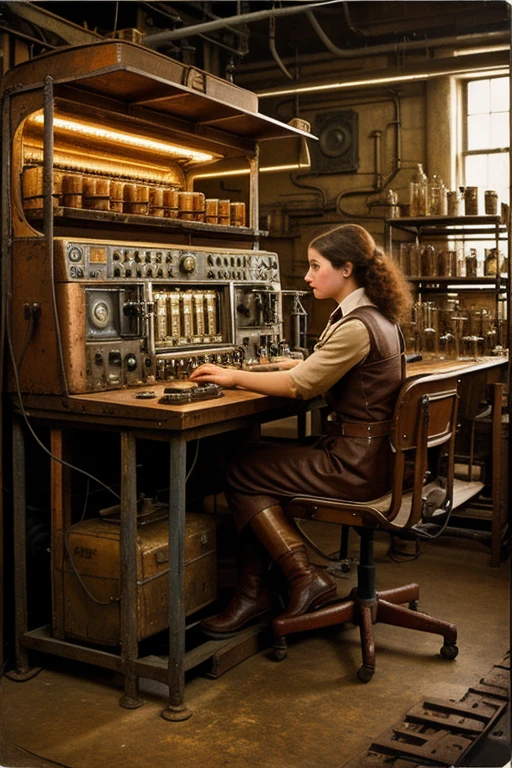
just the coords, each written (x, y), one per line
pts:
(308, 711)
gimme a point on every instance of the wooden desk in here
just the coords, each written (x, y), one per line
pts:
(485, 378)
(133, 419)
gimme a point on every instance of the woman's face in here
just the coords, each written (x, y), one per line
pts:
(325, 281)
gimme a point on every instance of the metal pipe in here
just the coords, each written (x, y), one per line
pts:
(48, 111)
(160, 38)
(377, 135)
(404, 45)
(273, 49)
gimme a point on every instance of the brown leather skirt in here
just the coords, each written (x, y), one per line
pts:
(266, 474)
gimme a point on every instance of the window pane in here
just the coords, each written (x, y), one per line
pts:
(479, 131)
(499, 130)
(476, 171)
(500, 94)
(478, 97)
(499, 175)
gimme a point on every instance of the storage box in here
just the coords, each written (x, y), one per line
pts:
(91, 577)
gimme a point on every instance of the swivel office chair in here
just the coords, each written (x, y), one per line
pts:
(423, 440)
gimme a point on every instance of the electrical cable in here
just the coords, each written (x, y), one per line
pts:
(64, 463)
(28, 337)
(116, 17)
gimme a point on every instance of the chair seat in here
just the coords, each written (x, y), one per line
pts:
(344, 512)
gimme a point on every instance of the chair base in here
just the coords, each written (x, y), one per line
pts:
(385, 606)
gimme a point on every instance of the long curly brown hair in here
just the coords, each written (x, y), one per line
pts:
(383, 280)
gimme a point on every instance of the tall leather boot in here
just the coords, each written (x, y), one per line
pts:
(253, 597)
(309, 586)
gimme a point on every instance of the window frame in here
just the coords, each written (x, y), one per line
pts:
(465, 152)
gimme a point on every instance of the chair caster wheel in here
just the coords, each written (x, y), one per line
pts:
(365, 673)
(280, 649)
(449, 651)
(413, 605)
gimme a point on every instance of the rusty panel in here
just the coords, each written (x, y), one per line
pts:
(71, 307)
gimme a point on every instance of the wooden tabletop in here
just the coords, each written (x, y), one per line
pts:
(427, 367)
(122, 408)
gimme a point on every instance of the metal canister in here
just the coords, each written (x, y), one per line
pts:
(171, 203)
(237, 214)
(491, 202)
(471, 201)
(96, 194)
(156, 201)
(212, 210)
(186, 206)
(454, 202)
(224, 212)
(72, 190)
(116, 195)
(198, 204)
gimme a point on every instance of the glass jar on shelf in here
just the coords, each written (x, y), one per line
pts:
(491, 262)
(418, 192)
(471, 263)
(437, 199)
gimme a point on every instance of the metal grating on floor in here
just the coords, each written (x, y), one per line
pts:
(442, 732)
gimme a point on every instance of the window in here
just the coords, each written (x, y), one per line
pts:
(487, 136)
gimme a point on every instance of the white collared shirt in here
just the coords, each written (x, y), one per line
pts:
(339, 348)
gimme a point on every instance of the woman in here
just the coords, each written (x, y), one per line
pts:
(358, 366)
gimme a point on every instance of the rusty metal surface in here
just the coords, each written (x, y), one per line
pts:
(128, 72)
(441, 732)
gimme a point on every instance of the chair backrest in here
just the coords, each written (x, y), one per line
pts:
(425, 418)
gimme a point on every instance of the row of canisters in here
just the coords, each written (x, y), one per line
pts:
(428, 260)
(76, 190)
(186, 317)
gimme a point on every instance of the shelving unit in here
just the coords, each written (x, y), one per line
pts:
(483, 433)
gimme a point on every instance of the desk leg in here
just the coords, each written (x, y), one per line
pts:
(22, 671)
(176, 709)
(496, 467)
(128, 556)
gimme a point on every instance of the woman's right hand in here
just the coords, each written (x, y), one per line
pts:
(224, 377)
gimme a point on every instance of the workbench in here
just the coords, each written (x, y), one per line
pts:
(121, 412)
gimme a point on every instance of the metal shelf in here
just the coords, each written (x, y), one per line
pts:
(77, 216)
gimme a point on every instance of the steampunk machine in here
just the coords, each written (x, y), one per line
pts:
(121, 272)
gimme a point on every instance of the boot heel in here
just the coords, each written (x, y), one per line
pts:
(327, 597)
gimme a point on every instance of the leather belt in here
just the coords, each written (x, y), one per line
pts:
(359, 429)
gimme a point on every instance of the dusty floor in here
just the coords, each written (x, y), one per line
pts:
(308, 711)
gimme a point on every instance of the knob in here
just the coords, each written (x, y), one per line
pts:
(98, 358)
(130, 361)
(188, 264)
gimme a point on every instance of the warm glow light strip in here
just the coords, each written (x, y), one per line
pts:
(314, 88)
(126, 138)
(266, 169)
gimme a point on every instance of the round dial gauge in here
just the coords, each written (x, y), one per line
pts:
(100, 314)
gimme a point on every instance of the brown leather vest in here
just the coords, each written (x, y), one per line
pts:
(367, 393)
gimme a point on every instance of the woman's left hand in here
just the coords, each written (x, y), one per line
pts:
(225, 377)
